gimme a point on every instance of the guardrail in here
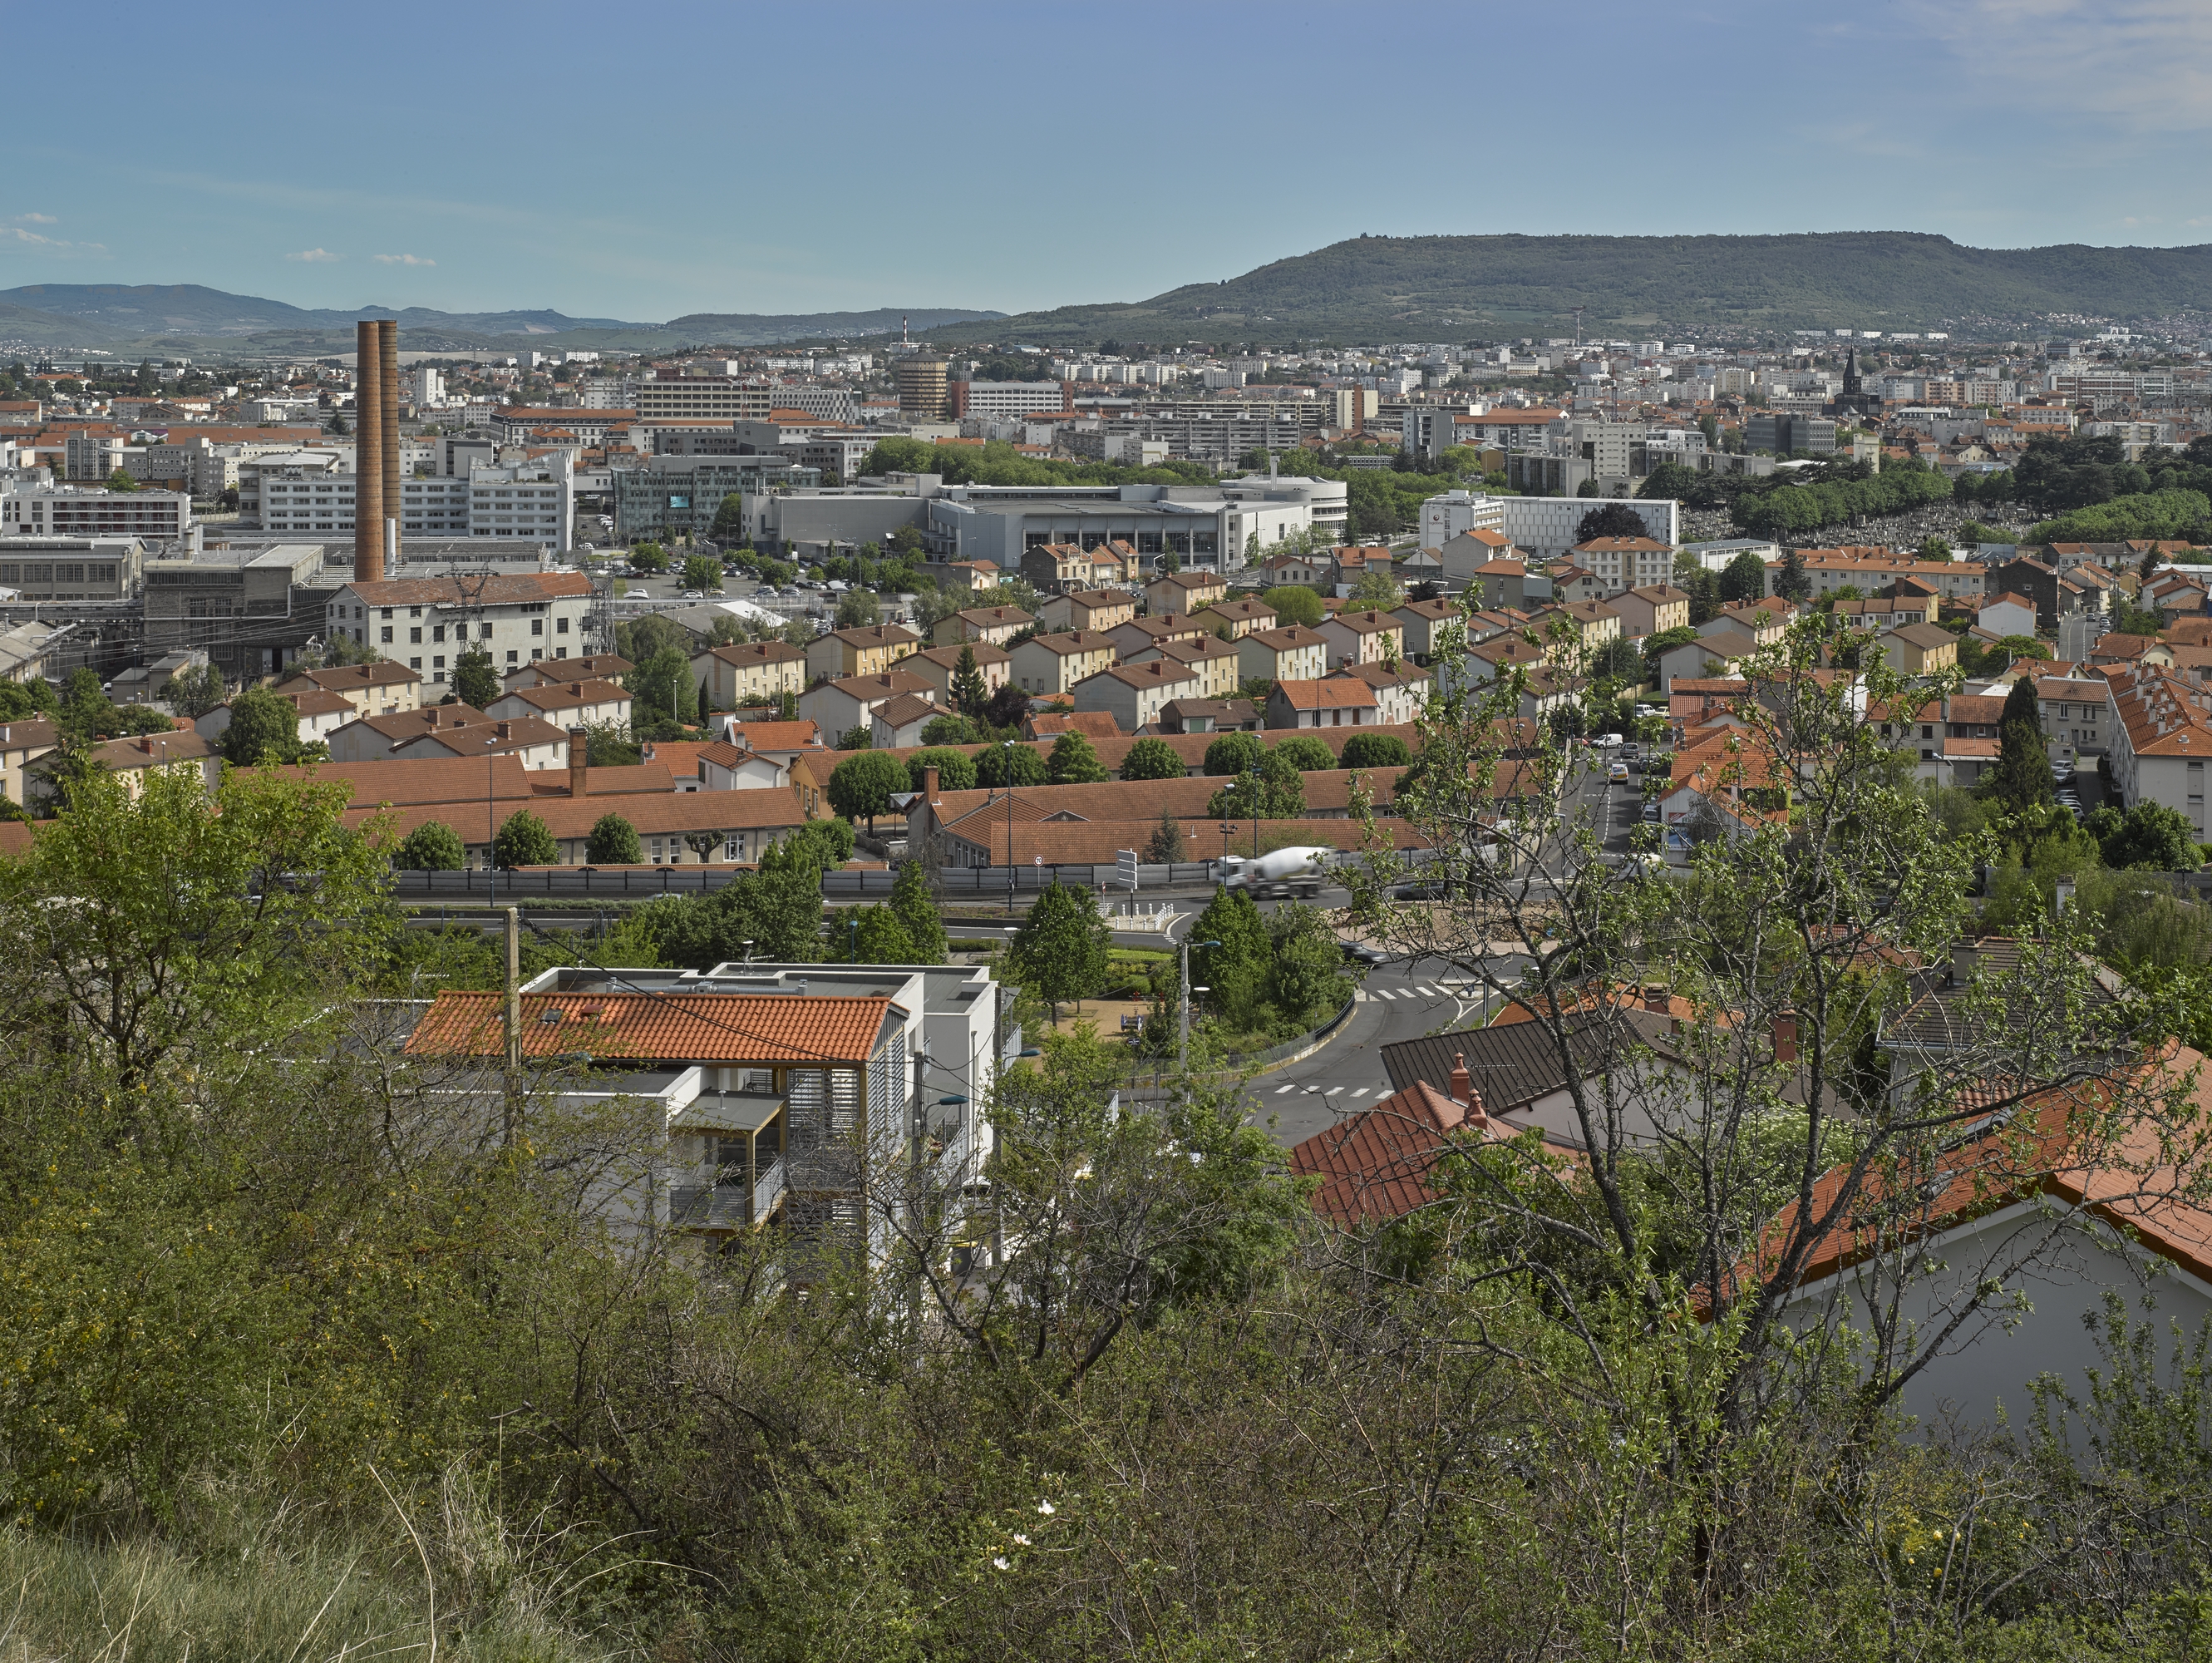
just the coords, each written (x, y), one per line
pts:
(1238, 1061)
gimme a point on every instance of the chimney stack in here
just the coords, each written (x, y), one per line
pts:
(1462, 1083)
(367, 447)
(387, 437)
(1964, 957)
(1785, 1039)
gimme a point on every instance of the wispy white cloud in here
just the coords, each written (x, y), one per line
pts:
(314, 255)
(36, 219)
(403, 259)
(51, 244)
(2145, 65)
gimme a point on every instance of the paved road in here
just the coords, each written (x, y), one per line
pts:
(1397, 1001)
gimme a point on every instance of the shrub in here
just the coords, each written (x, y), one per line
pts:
(1152, 759)
(613, 842)
(1374, 751)
(525, 840)
(1306, 753)
(432, 846)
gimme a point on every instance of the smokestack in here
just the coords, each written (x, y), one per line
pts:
(387, 365)
(367, 445)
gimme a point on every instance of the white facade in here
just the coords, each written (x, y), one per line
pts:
(535, 500)
(1456, 512)
(1546, 526)
(155, 517)
(428, 385)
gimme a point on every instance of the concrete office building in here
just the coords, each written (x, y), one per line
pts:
(1222, 527)
(923, 391)
(1544, 527)
(521, 499)
(1453, 513)
(678, 494)
(1005, 398)
(687, 396)
(252, 611)
(151, 516)
(43, 568)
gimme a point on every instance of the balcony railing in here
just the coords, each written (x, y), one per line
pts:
(769, 1189)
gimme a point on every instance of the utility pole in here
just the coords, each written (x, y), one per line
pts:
(1183, 1036)
(513, 1013)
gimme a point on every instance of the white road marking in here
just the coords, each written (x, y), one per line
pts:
(1332, 1091)
(1279, 1090)
(1362, 1092)
(1426, 992)
(1384, 993)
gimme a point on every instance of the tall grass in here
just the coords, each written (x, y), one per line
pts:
(261, 1582)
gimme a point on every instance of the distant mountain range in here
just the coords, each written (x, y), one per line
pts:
(1368, 289)
(1451, 289)
(186, 317)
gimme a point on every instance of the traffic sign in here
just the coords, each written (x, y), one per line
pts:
(1124, 867)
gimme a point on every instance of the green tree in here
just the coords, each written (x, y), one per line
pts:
(1612, 520)
(956, 769)
(476, 683)
(1743, 578)
(1378, 589)
(1294, 603)
(729, 526)
(193, 692)
(861, 786)
(263, 728)
(1074, 761)
(1791, 583)
(1152, 758)
(1275, 790)
(2149, 835)
(706, 707)
(1001, 765)
(858, 737)
(857, 610)
(1234, 973)
(1165, 846)
(970, 694)
(525, 840)
(1059, 953)
(915, 908)
(953, 730)
(1235, 753)
(2021, 779)
(432, 846)
(1306, 753)
(613, 842)
(1374, 751)
(702, 572)
(660, 688)
(648, 558)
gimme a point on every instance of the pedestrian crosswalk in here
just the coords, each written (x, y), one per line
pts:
(1333, 1091)
(1403, 993)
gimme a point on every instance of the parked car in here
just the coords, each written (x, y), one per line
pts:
(1618, 772)
(1651, 814)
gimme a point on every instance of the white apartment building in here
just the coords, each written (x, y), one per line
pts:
(428, 622)
(725, 396)
(607, 392)
(824, 404)
(1005, 398)
(298, 490)
(535, 500)
(428, 385)
(1455, 512)
(152, 516)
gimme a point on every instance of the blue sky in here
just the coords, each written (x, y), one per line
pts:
(641, 162)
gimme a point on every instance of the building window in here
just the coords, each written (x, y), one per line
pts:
(415, 638)
(561, 627)
(537, 626)
(414, 663)
(514, 657)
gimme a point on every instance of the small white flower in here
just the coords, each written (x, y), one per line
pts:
(1047, 1508)
(1020, 1540)
(1000, 1562)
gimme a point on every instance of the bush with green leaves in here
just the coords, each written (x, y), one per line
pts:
(613, 842)
(1059, 953)
(1152, 758)
(861, 786)
(1019, 764)
(1374, 751)
(525, 840)
(1306, 753)
(1074, 761)
(263, 728)
(956, 769)
(433, 846)
(1235, 753)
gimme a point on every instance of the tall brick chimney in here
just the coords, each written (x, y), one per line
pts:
(387, 437)
(368, 453)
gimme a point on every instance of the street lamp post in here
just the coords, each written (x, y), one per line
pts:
(491, 828)
(1183, 1036)
(1008, 754)
(1225, 829)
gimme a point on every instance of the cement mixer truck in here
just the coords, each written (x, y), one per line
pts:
(1280, 873)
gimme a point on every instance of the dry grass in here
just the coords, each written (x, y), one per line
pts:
(265, 1587)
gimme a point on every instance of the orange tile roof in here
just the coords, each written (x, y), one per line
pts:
(673, 1027)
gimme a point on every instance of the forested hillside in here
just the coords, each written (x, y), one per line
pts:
(1430, 288)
